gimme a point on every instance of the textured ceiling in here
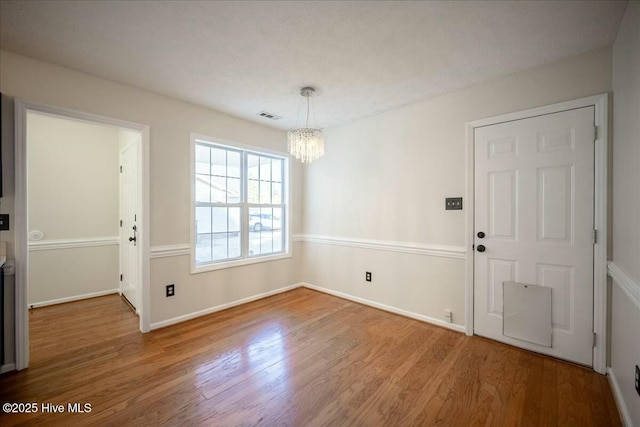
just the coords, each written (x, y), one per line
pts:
(245, 57)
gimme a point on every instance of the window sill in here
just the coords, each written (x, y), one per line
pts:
(238, 263)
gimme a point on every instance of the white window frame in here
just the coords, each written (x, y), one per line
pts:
(252, 259)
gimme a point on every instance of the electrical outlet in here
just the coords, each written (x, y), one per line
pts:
(448, 316)
(453, 203)
(367, 276)
(171, 290)
(638, 379)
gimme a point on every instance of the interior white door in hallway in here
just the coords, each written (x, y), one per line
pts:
(534, 203)
(129, 248)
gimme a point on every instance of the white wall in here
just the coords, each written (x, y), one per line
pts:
(73, 195)
(386, 177)
(625, 305)
(170, 122)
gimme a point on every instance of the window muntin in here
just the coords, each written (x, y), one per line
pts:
(240, 209)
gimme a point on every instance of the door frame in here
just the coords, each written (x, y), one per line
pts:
(21, 220)
(601, 104)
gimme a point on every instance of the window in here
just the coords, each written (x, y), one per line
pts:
(240, 205)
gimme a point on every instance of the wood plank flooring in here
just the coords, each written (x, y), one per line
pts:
(301, 358)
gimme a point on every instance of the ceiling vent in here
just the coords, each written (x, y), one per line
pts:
(269, 115)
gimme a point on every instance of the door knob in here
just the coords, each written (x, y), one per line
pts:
(481, 248)
(132, 239)
(481, 234)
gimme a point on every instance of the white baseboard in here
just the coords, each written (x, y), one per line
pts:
(185, 317)
(390, 309)
(405, 313)
(617, 394)
(7, 368)
(74, 298)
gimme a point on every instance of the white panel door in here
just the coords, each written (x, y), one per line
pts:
(129, 248)
(534, 202)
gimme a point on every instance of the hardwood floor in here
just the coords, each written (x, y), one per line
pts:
(300, 358)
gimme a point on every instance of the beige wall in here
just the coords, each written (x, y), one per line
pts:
(60, 274)
(170, 122)
(73, 178)
(625, 305)
(73, 194)
(386, 178)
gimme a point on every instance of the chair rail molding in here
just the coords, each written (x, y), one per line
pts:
(445, 251)
(80, 242)
(628, 284)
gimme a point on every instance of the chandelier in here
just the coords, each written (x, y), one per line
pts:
(306, 144)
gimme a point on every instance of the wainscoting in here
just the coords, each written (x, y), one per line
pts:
(625, 352)
(67, 270)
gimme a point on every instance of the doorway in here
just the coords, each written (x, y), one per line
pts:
(129, 211)
(537, 230)
(96, 236)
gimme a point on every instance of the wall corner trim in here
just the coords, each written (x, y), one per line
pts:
(617, 395)
(628, 284)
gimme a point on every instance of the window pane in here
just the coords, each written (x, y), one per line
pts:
(219, 246)
(203, 248)
(233, 190)
(277, 241)
(265, 169)
(276, 170)
(233, 164)
(235, 248)
(219, 220)
(266, 242)
(254, 192)
(276, 193)
(265, 192)
(255, 222)
(277, 218)
(202, 159)
(203, 188)
(228, 176)
(234, 219)
(218, 162)
(203, 220)
(218, 189)
(254, 242)
(252, 164)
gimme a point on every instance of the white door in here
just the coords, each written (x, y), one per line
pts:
(534, 202)
(129, 247)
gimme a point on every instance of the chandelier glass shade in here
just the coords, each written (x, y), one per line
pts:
(306, 144)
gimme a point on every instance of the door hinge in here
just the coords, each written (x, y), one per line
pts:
(121, 277)
(595, 132)
(120, 223)
(120, 169)
(595, 236)
(594, 339)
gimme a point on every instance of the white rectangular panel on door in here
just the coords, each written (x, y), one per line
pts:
(527, 313)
